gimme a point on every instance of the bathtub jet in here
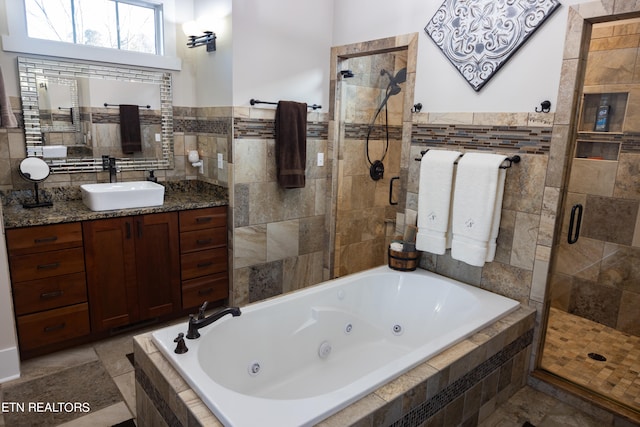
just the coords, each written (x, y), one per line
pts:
(201, 321)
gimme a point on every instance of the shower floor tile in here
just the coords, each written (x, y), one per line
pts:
(570, 339)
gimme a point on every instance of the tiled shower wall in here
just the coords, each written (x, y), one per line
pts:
(598, 277)
(363, 204)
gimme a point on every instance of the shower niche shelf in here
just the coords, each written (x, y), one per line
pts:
(603, 112)
(597, 150)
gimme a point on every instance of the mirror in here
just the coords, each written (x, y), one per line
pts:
(34, 169)
(76, 105)
(58, 105)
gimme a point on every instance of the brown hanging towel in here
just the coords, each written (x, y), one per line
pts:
(291, 143)
(130, 133)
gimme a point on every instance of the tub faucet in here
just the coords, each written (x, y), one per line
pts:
(201, 321)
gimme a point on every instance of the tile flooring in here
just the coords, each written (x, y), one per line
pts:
(538, 409)
(112, 354)
(569, 341)
(527, 405)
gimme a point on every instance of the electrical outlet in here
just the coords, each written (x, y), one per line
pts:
(320, 159)
(158, 139)
(220, 161)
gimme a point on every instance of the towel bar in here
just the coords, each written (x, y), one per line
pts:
(117, 105)
(255, 101)
(511, 160)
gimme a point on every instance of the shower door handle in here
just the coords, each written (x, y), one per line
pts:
(574, 221)
(391, 202)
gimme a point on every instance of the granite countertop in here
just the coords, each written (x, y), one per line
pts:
(68, 205)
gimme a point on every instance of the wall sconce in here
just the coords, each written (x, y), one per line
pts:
(208, 38)
(194, 159)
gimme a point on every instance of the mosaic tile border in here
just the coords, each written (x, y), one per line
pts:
(264, 129)
(147, 117)
(530, 140)
(156, 398)
(429, 408)
(629, 142)
(192, 125)
(360, 130)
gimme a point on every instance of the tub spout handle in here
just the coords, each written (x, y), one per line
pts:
(202, 310)
(181, 348)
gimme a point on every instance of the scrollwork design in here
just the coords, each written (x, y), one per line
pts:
(479, 36)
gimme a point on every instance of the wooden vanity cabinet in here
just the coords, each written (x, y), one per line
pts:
(77, 282)
(203, 256)
(133, 268)
(48, 282)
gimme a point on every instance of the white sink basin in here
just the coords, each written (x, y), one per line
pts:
(54, 151)
(122, 195)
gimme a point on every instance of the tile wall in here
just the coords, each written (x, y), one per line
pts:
(598, 276)
(278, 235)
(363, 208)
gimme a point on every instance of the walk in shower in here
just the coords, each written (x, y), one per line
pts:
(370, 147)
(592, 336)
(372, 95)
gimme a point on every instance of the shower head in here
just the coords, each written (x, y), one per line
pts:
(393, 90)
(346, 73)
(400, 77)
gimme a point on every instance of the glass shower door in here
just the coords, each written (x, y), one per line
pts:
(593, 331)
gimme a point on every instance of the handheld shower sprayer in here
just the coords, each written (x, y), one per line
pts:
(376, 170)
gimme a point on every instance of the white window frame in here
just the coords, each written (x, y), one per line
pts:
(18, 41)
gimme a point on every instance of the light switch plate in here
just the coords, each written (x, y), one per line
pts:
(320, 159)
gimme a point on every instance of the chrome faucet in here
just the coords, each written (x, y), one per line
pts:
(201, 321)
(113, 170)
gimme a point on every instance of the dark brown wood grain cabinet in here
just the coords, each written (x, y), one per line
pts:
(133, 268)
(81, 281)
(48, 284)
(204, 256)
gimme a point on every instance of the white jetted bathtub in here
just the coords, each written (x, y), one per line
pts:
(298, 358)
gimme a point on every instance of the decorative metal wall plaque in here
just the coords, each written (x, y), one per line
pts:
(479, 36)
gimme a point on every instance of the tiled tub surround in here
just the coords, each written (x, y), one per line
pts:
(310, 343)
(462, 384)
(279, 236)
(527, 224)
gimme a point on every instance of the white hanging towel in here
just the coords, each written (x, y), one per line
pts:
(434, 200)
(477, 206)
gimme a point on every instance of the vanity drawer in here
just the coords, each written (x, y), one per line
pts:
(198, 219)
(198, 240)
(43, 238)
(52, 292)
(47, 264)
(48, 327)
(208, 288)
(202, 263)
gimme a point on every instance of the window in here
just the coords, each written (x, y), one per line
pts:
(133, 25)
